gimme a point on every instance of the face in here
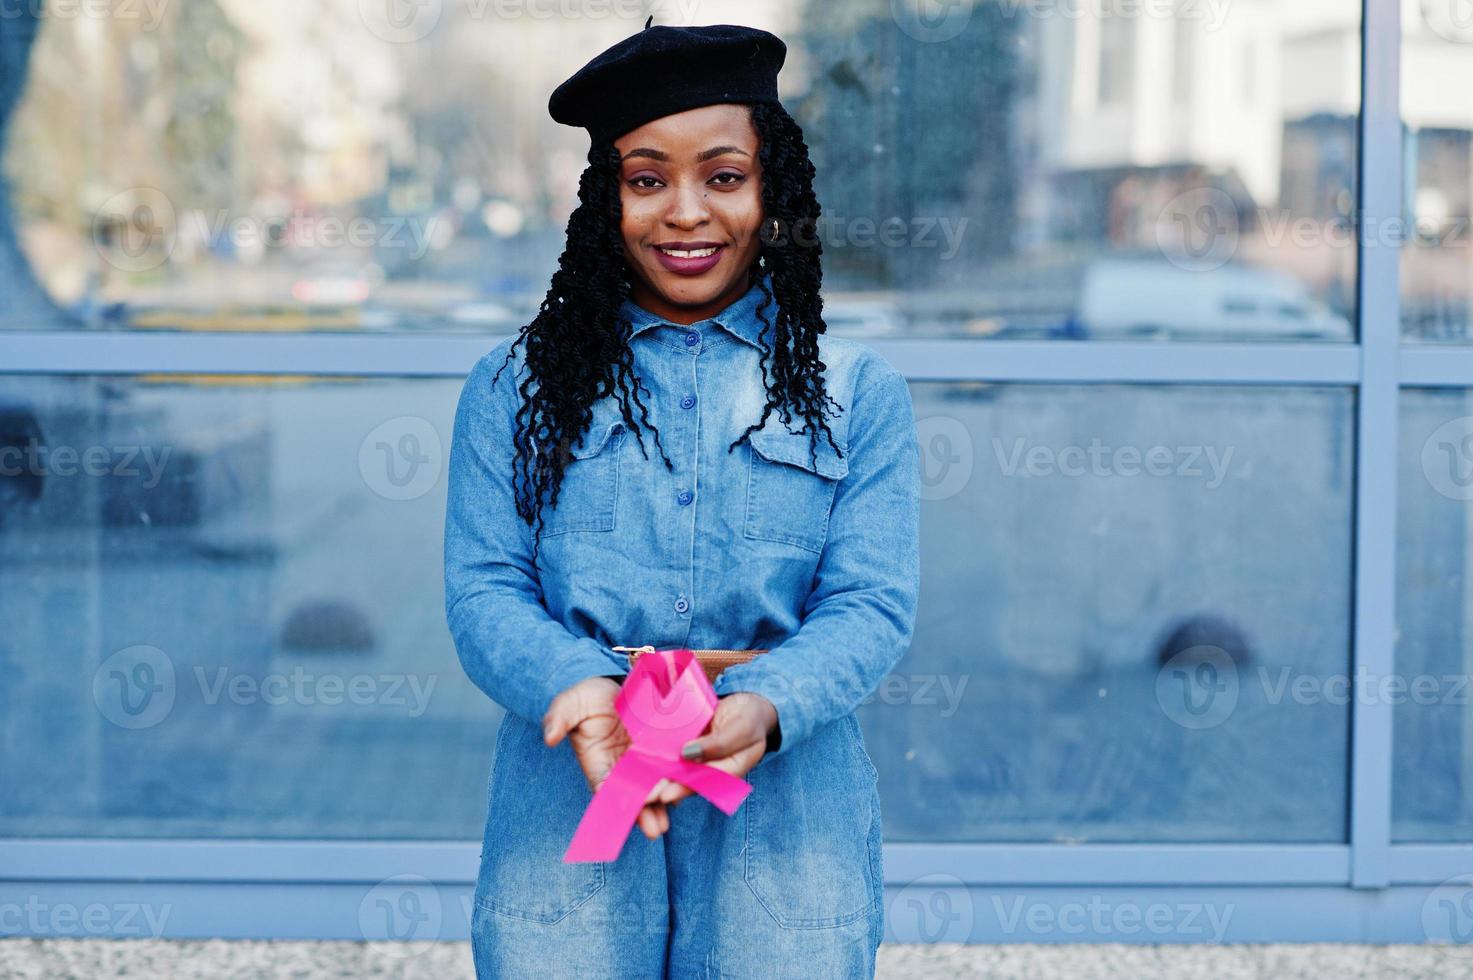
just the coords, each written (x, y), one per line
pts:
(691, 189)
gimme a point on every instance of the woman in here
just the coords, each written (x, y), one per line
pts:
(679, 457)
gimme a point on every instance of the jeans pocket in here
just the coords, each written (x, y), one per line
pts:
(809, 837)
(538, 795)
(789, 492)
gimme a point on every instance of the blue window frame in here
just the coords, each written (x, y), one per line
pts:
(1374, 879)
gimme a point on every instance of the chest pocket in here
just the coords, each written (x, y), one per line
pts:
(589, 496)
(789, 494)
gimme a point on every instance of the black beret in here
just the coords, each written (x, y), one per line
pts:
(664, 70)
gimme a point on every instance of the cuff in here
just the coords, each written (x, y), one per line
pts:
(792, 724)
(589, 660)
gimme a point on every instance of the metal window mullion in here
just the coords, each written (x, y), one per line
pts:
(454, 862)
(1379, 304)
(1436, 366)
(452, 355)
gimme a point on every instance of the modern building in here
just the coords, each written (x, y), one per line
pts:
(1182, 289)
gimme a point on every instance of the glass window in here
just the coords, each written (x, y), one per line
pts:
(198, 584)
(1135, 618)
(1437, 257)
(224, 615)
(1117, 59)
(1433, 738)
(986, 169)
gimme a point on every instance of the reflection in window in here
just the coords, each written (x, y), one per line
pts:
(289, 167)
(1183, 54)
(1117, 59)
(223, 615)
(1437, 257)
(1114, 642)
(1432, 793)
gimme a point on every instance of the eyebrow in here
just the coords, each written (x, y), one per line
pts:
(701, 157)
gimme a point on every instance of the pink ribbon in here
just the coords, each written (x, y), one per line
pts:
(665, 702)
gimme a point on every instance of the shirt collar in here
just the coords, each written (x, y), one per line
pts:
(739, 318)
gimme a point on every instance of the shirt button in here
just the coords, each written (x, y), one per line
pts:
(681, 605)
(692, 338)
(687, 401)
(684, 498)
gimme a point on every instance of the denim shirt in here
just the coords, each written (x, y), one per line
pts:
(816, 560)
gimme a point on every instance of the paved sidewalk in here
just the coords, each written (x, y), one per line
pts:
(96, 959)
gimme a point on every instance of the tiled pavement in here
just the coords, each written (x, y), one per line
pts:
(222, 960)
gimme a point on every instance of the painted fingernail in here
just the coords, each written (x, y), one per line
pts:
(691, 752)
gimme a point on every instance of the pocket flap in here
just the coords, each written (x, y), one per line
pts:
(596, 438)
(792, 448)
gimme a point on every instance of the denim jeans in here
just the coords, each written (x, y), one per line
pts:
(809, 552)
(788, 886)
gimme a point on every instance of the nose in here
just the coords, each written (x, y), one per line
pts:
(687, 206)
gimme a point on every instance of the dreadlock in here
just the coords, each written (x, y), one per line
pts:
(578, 347)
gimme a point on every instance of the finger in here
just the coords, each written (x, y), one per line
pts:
(740, 763)
(647, 823)
(664, 814)
(674, 793)
(652, 820)
(722, 742)
(556, 723)
(658, 791)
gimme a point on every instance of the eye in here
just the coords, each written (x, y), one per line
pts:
(722, 180)
(639, 182)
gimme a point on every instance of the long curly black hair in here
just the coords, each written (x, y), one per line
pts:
(578, 346)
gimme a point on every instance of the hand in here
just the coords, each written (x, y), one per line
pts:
(585, 713)
(737, 740)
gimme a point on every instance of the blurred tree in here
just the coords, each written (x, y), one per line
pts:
(203, 50)
(902, 128)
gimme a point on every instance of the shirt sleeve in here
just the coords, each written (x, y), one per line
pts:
(508, 643)
(859, 618)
